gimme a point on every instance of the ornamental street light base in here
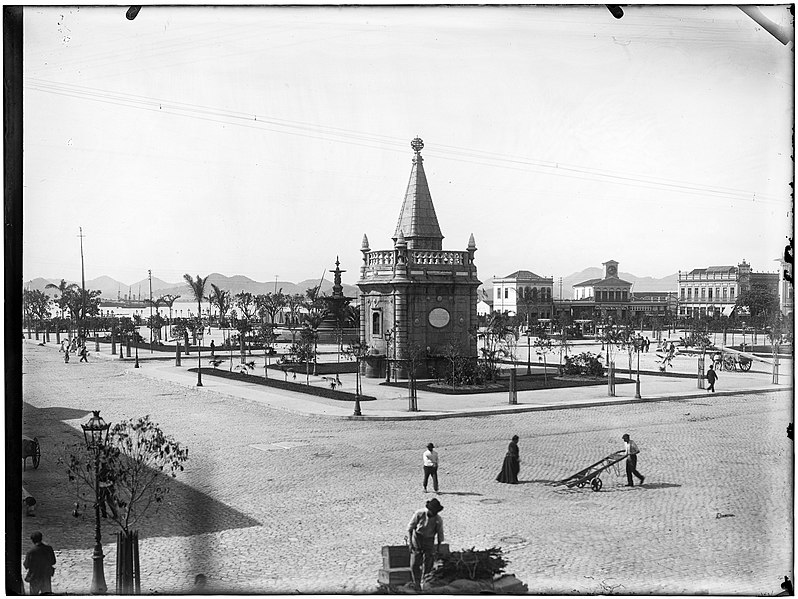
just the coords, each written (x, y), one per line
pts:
(98, 586)
(637, 390)
(357, 411)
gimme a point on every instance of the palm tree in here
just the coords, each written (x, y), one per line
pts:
(198, 289)
(63, 287)
(221, 299)
(168, 301)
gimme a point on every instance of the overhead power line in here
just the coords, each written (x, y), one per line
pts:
(369, 140)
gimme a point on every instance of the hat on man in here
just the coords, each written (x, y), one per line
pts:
(434, 505)
(625, 437)
(430, 446)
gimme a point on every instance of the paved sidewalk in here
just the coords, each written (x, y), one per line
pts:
(392, 403)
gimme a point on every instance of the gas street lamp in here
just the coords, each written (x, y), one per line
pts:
(95, 432)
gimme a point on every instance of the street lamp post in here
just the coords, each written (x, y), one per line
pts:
(637, 383)
(95, 432)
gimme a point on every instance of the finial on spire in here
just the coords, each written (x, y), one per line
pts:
(364, 247)
(400, 240)
(417, 144)
(471, 243)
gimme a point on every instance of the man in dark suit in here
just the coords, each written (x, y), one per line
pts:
(39, 562)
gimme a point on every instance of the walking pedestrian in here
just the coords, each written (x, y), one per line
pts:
(84, 353)
(512, 464)
(422, 530)
(39, 562)
(631, 461)
(213, 349)
(66, 356)
(712, 376)
(430, 462)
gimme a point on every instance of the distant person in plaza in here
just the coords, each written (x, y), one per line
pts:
(39, 562)
(66, 356)
(430, 462)
(84, 353)
(631, 449)
(712, 376)
(213, 349)
(422, 530)
(512, 464)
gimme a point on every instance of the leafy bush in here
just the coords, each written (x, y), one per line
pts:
(584, 364)
(466, 372)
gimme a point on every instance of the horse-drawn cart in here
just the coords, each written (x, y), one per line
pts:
(731, 360)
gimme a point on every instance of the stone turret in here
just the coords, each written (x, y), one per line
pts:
(417, 296)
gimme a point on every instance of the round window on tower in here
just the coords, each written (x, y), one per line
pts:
(439, 317)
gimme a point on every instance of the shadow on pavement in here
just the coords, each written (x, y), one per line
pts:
(543, 481)
(185, 511)
(458, 493)
(659, 485)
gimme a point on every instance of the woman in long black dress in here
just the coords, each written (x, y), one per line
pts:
(512, 464)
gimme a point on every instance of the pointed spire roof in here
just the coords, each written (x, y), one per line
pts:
(417, 219)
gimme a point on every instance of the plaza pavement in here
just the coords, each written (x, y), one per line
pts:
(292, 499)
(392, 403)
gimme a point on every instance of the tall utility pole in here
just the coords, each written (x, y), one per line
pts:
(82, 283)
(275, 284)
(149, 274)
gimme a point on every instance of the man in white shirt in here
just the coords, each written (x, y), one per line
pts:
(430, 461)
(425, 525)
(631, 461)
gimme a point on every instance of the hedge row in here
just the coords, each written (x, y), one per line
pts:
(285, 385)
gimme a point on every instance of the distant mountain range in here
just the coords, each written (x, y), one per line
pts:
(669, 283)
(111, 288)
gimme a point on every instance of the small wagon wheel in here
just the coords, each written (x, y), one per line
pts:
(745, 365)
(37, 452)
(728, 363)
(595, 484)
(581, 483)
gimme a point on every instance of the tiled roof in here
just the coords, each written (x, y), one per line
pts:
(523, 274)
(711, 269)
(609, 281)
(417, 217)
(587, 283)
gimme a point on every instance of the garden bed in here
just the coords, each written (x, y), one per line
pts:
(534, 382)
(285, 385)
(322, 368)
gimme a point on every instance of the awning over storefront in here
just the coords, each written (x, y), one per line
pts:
(727, 310)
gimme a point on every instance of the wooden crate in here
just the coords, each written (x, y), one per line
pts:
(395, 556)
(394, 576)
(398, 556)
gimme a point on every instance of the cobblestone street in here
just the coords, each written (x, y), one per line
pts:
(272, 501)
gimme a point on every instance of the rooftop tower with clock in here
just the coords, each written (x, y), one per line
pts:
(417, 301)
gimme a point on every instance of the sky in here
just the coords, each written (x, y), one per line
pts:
(266, 141)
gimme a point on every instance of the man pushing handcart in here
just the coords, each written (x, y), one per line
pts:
(591, 474)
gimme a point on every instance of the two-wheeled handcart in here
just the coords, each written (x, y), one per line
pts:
(590, 475)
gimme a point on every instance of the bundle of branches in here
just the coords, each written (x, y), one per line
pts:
(470, 564)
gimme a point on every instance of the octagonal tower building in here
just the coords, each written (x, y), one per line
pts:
(417, 300)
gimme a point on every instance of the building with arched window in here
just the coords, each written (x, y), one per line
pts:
(713, 291)
(417, 301)
(524, 293)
